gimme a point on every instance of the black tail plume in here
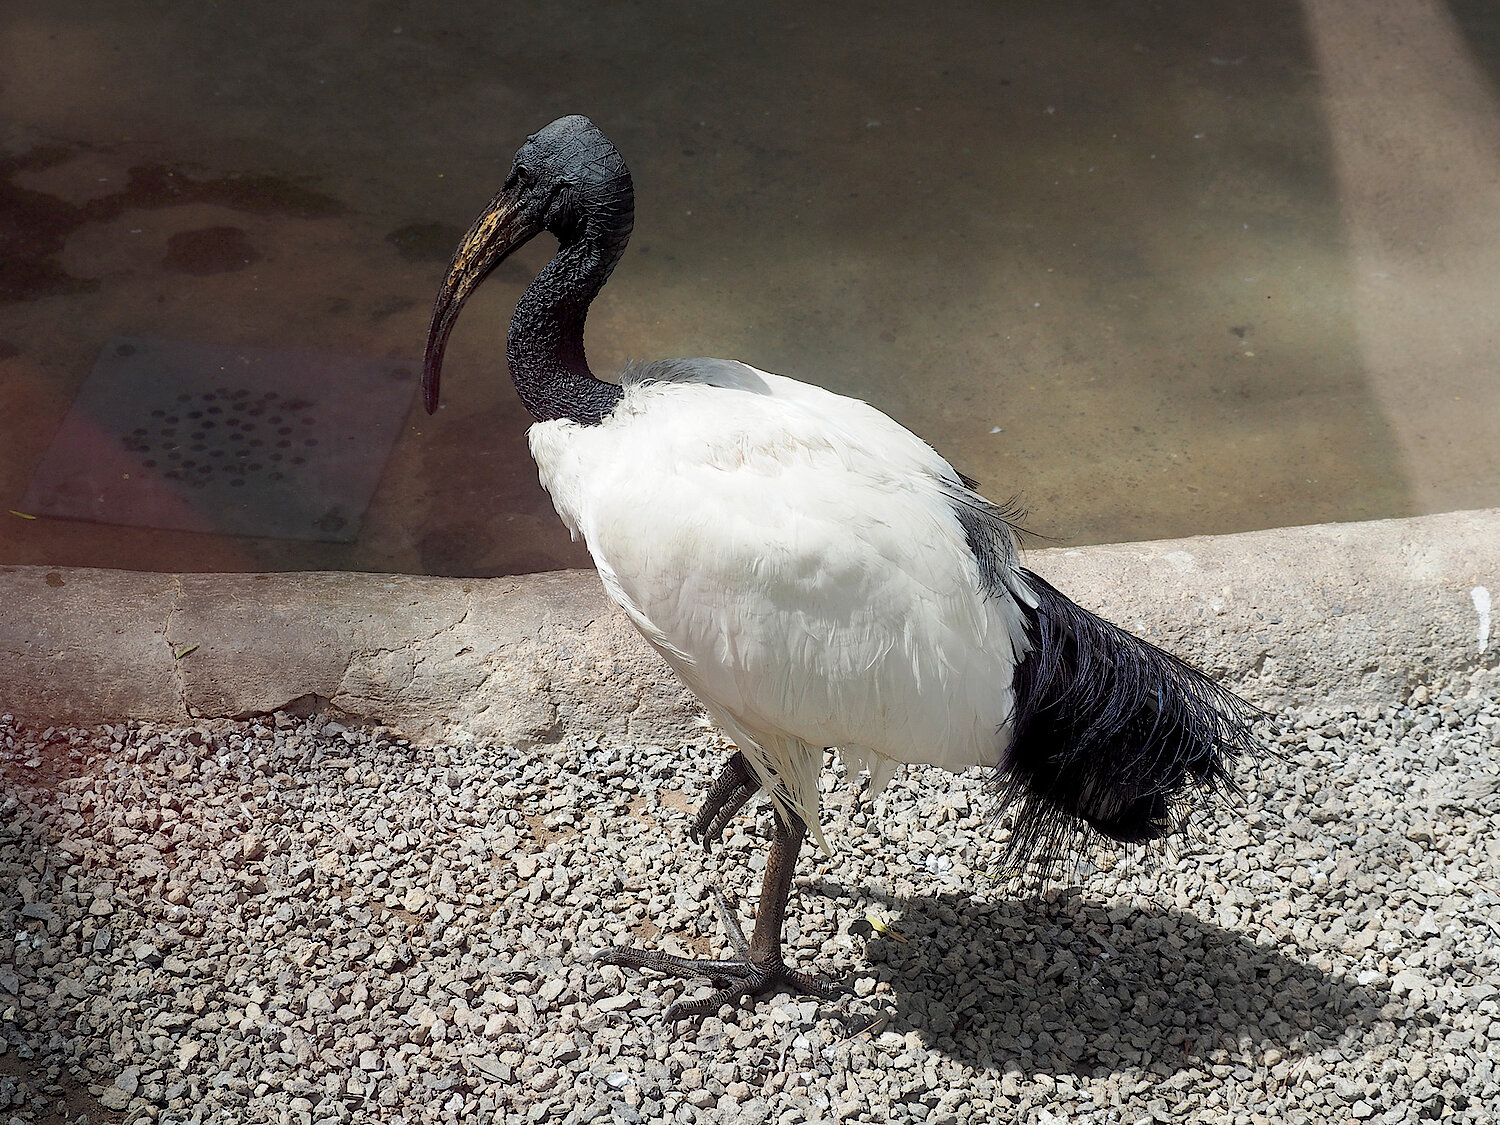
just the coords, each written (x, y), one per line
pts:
(1110, 732)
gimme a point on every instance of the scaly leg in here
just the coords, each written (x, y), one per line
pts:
(758, 969)
(735, 785)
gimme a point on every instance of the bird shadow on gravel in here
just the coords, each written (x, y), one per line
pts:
(1059, 983)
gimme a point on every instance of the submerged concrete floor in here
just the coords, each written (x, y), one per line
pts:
(1160, 269)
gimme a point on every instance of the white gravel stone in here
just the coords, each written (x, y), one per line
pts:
(286, 919)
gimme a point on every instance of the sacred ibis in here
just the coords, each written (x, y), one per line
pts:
(819, 577)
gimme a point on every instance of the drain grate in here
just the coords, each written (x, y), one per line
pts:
(230, 441)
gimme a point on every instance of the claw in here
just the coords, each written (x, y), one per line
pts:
(757, 967)
(735, 979)
(735, 785)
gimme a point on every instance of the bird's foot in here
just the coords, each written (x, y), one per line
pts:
(735, 785)
(734, 978)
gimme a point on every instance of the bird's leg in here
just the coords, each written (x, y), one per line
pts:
(759, 967)
(735, 785)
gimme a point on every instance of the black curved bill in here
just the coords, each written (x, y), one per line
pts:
(503, 226)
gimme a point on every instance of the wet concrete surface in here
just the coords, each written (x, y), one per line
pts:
(1159, 269)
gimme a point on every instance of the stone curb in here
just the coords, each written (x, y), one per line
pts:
(1338, 614)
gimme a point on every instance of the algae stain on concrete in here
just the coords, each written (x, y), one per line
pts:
(35, 225)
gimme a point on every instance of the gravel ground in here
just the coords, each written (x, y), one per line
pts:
(287, 921)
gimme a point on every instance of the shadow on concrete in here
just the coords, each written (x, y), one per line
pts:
(1478, 22)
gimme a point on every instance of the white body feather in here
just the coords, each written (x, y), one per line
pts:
(795, 557)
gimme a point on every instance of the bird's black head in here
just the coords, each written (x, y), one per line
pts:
(574, 179)
(567, 178)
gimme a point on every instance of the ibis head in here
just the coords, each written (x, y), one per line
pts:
(567, 179)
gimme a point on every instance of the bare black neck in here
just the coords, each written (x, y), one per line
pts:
(545, 348)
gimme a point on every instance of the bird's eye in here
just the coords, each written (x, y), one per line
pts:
(523, 175)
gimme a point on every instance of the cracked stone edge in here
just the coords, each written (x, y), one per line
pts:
(1360, 609)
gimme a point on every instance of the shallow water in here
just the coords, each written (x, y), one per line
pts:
(1159, 272)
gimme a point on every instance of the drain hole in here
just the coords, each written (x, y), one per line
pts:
(229, 452)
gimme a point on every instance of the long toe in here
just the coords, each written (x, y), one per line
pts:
(734, 979)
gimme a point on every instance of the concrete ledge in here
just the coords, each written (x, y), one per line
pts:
(1336, 613)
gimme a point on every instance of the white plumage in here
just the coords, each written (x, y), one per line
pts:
(794, 555)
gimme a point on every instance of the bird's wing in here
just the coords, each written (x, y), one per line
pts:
(799, 559)
(726, 373)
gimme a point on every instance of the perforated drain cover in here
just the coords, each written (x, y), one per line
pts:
(227, 441)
